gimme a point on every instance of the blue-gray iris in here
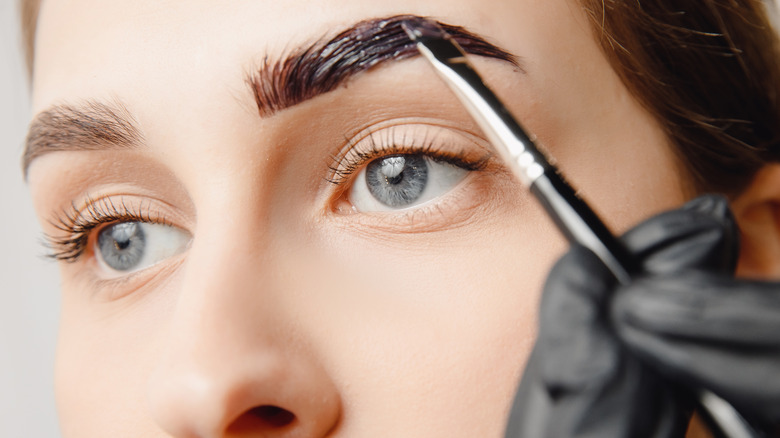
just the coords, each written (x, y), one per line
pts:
(397, 181)
(122, 245)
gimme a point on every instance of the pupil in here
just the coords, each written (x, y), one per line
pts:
(122, 244)
(394, 180)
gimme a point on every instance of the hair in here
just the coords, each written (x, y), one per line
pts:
(28, 11)
(707, 70)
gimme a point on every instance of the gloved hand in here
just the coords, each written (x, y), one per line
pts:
(708, 331)
(613, 361)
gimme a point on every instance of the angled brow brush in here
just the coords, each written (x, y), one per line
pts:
(572, 215)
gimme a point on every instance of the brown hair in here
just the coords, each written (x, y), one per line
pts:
(707, 70)
(28, 11)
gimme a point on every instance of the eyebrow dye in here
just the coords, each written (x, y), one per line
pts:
(324, 65)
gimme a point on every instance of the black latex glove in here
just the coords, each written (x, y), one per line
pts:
(585, 378)
(709, 331)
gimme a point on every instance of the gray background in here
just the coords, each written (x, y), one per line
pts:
(29, 296)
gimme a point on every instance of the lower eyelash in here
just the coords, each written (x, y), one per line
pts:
(78, 224)
(354, 159)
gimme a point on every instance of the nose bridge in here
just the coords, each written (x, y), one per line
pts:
(231, 363)
(229, 266)
(228, 282)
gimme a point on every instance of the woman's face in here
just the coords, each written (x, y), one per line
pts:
(356, 263)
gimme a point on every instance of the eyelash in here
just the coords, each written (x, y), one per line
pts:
(78, 225)
(354, 159)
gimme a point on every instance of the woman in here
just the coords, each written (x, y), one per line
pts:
(239, 255)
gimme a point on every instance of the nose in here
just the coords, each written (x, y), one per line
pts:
(235, 363)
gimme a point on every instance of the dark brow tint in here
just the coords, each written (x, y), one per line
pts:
(326, 64)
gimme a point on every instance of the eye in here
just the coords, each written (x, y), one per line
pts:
(397, 182)
(126, 247)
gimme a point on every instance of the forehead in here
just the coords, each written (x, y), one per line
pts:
(89, 45)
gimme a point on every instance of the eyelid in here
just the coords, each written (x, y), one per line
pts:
(77, 223)
(433, 137)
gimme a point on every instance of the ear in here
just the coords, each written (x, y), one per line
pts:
(757, 210)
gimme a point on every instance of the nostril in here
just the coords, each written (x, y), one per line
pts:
(273, 415)
(262, 418)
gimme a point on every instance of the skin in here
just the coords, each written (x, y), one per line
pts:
(413, 323)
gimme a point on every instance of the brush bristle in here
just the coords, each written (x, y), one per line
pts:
(421, 28)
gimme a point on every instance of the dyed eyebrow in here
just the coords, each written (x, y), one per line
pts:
(325, 65)
(87, 126)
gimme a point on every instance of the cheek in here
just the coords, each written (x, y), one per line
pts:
(439, 323)
(105, 353)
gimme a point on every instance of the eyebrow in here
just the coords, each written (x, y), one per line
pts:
(327, 64)
(87, 126)
(303, 74)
